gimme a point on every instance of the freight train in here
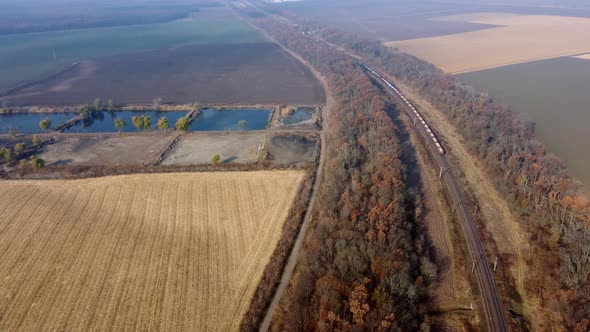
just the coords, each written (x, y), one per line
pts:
(430, 134)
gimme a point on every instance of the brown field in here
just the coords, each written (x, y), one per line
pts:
(289, 148)
(106, 149)
(180, 251)
(199, 148)
(521, 38)
(247, 73)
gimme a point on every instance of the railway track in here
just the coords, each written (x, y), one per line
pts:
(492, 306)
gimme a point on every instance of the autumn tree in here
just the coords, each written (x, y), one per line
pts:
(137, 122)
(36, 140)
(216, 158)
(147, 122)
(18, 148)
(45, 124)
(37, 163)
(120, 124)
(182, 124)
(163, 124)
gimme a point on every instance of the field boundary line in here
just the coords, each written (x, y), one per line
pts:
(294, 255)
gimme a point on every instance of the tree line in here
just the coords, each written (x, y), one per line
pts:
(364, 264)
(555, 216)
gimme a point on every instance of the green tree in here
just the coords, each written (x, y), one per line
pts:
(37, 162)
(18, 148)
(13, 132)
(182, 124)
(45, 124)
(97, 104)
(163, 123)
(110, 105)
(85, 112)
(147, 122)
(36, 140)
(3, 152)
(23, 163)
(215, 159)
(137, 122)
(7, 155)
(242, 124)
(119, 124)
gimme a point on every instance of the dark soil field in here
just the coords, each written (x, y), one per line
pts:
(252, 73)
(292, 148)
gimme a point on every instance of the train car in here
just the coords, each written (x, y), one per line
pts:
(425, 125)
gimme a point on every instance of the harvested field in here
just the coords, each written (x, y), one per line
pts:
(199, 148)
(388, 20)
(179, 251)
(111, 149)
(248, 73)
(520, 38)
(292, 148)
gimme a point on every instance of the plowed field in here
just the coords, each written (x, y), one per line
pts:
(175, 252)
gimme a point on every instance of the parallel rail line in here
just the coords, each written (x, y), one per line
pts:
(492, 306)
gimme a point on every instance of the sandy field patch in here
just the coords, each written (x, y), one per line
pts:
(583, 56)
(521, 38)
(107, 149)
(170, 252)
(200, 147)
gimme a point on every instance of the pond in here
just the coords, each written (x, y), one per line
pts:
(28, 123)
(104, 122)
(212, 119)
(301, 114)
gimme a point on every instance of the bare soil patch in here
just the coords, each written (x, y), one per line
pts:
(179, 251)
(109, 149)
(248, 73)
(520, 38)
(199, 148)
(287, 148)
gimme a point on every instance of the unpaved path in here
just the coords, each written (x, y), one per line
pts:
(290, 266)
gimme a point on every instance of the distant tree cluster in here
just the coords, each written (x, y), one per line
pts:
(142, 122)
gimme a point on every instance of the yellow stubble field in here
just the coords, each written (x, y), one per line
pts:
(519, 38)
(174, 252)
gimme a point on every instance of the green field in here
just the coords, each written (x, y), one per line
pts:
(26, 57)
(553, 94)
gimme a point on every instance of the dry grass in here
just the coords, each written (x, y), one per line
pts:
(180, 251)
(520, 38)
